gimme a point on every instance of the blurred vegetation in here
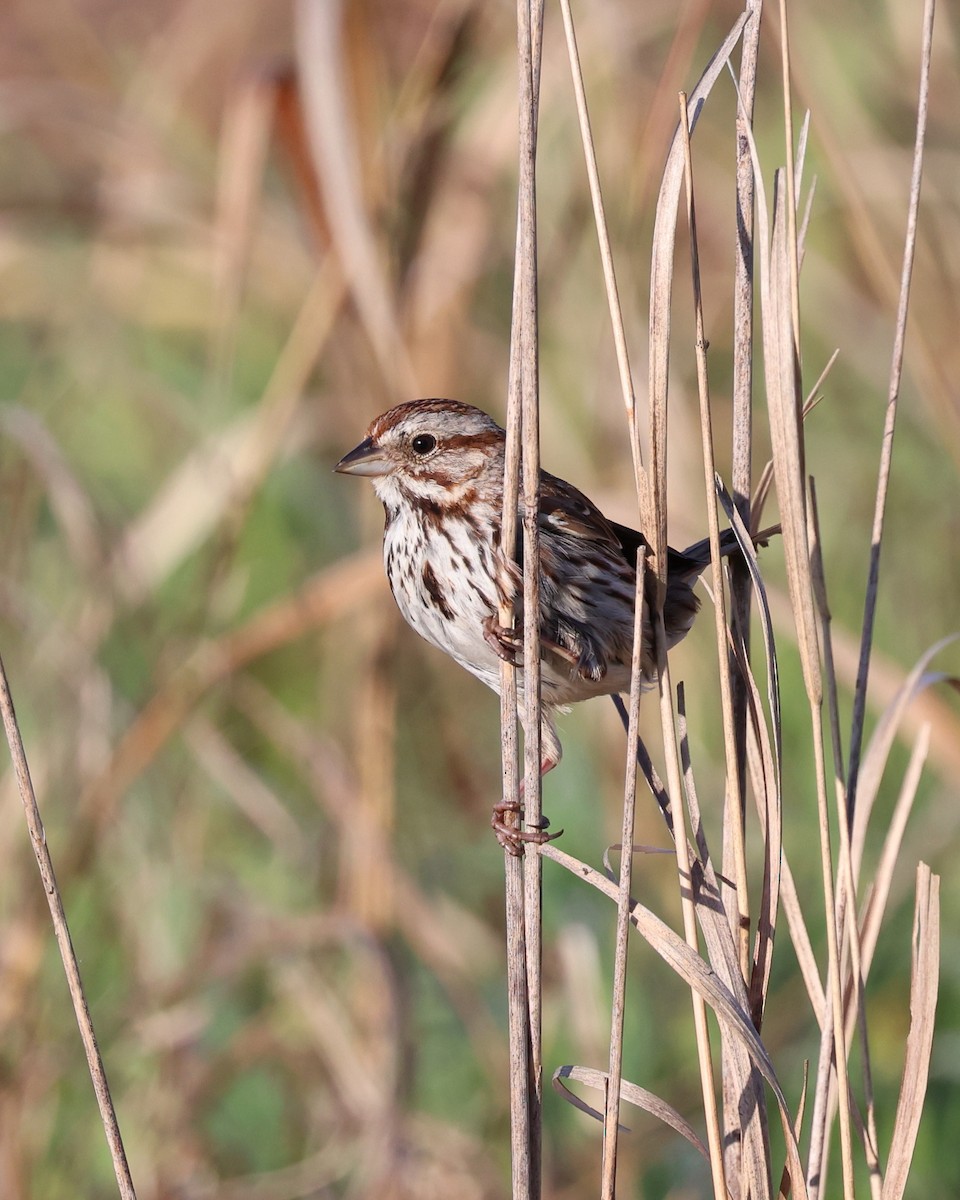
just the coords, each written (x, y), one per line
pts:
(266, 799)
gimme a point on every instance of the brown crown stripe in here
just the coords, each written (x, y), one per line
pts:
(448, 408)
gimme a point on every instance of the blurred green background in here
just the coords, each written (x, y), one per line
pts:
(231, 235)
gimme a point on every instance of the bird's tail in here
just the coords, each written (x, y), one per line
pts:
(688, 565)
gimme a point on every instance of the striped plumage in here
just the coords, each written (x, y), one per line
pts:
(437, 466)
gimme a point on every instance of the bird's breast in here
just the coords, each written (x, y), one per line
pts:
(442, 575)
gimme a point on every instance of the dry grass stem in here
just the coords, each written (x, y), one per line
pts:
(754, 1167)
(777, 263)
(792, 242)
(890, 418)
(877, 901)
(706, 983)
(848, 934)
(878, 750)
(655, 513)
(765, 754)
(611, 1114)
(637, 1096)
(522, 876)
(530, 25)
(675, 787)
(606, 259)
(732, 787)
(735, 804)
(748, 1157)
(834, 1033)
(654, 510)
(61, 930)
(923, 1004)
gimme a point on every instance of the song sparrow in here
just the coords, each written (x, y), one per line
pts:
(437, 466)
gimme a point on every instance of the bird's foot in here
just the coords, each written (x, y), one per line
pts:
(508, 644)
(512, 837)
(505, 643)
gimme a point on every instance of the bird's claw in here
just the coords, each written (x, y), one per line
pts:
(504, 642)
(512, 837)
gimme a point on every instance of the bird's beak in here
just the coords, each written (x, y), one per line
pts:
(366, 459)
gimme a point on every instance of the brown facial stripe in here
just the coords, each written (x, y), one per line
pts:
(487, 440)
(432, 584)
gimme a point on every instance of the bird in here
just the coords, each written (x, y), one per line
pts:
(437, 466)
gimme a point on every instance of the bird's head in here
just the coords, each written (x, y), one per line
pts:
(429, 449)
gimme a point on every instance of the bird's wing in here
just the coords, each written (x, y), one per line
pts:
(566, 511)
(579, 551)
(632, 542)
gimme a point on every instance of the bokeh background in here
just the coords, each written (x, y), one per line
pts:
(232, 234)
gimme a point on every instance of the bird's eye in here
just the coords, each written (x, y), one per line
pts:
(423, 443)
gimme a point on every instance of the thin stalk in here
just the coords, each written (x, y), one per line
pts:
(517, 1006)
(522, 878)
(606, 259)
(719, 596)
(742, 394)
(835, 984)
(530, 18)
(519, 1036)
(792, 243)
(818, 1141)
(848, 932)
(735, 806)
(675, 789)
(890, 419)
(611, 1117)
(743, 273)
(61, 930)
